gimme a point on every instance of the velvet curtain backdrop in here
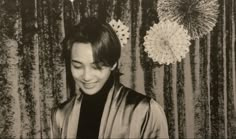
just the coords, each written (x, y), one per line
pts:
(198, 94)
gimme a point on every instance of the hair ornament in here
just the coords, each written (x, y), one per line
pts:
(122, 31)
(167, 42)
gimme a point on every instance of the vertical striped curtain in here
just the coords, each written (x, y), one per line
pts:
(198, 94)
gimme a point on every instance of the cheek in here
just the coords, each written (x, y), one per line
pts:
(76, 73)
(104, 75)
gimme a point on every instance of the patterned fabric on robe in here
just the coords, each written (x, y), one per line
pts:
(127, 114)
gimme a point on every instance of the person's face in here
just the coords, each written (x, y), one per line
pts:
(88, 76)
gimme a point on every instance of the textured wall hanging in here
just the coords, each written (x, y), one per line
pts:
(198, 16)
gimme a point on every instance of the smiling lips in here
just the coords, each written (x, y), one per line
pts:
(89, 85)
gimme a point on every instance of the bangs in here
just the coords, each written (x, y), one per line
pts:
(101, 53)
(103, 39)
(105, 51)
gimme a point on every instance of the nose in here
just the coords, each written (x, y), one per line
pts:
(87, 75)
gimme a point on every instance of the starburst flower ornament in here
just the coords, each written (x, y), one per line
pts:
(166, 42)
(197, 16)
(121, 30)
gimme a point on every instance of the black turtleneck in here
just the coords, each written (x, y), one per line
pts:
(91, 112)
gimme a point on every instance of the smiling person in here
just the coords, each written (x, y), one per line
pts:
(102, 107)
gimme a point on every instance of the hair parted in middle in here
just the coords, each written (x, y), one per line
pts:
(105, 43)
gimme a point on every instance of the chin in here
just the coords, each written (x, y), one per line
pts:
(90, 91)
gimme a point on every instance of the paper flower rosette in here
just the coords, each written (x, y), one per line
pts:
(121, 30)
(167, 42)
(197, 16)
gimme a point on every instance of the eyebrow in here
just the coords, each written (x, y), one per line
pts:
(75, 61)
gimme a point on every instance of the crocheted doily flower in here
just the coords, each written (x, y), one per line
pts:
(166, 42)
(121, 30)
(198, 16)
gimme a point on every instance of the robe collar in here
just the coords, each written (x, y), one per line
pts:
(73, 119)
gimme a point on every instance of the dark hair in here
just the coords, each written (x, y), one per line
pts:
(105, 44)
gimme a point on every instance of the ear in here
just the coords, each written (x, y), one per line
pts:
(114, 66)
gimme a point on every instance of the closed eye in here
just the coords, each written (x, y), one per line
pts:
(76, 65)
(97, 67)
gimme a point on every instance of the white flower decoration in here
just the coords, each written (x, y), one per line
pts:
(121, 30)
(167, 42)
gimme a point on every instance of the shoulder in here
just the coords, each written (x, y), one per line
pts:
(64, 105)
(133, 96)
(148, 111)
(135, 100)
(156, 112)
(58, 113)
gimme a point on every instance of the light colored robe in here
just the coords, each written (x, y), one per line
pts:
(127, 114)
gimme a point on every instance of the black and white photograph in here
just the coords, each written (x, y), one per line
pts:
(117, 69)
